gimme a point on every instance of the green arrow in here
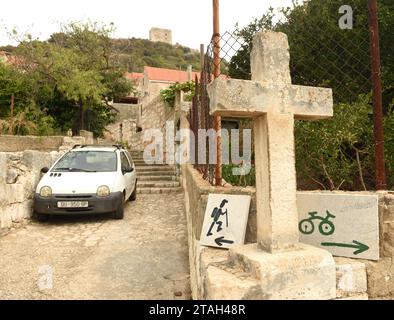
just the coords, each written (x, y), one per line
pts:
(357, 245)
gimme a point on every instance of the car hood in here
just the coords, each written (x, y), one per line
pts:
(77, 182)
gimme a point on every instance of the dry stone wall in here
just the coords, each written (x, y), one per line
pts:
(19, 176)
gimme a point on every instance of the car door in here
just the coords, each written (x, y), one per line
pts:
(134, 173)
(128, 175)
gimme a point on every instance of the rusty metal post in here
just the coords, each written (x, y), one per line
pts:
(377, 96)
(216, 73)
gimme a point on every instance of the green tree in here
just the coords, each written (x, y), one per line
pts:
(337, 153)
(73, 77)
(321, 53)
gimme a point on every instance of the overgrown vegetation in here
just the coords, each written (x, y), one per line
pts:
(65, 82)
(168, 95)
(336, 153)
(133, 54)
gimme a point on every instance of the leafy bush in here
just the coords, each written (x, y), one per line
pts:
(168, 95)
(246, 180)
(337, 153)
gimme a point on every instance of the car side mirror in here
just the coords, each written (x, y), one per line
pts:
(44, 170)
(127, 170)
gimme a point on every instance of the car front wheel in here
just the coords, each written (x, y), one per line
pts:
(41, 217)
(119, 213)
(133, 196)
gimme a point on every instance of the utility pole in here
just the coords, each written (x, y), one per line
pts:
(377, 96)
(217, 122)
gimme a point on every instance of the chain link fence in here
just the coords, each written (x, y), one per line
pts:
(329, 47)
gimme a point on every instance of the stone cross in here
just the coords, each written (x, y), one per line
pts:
(274, 103)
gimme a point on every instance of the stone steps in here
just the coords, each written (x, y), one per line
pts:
(155, 178)
(154, 173)
(158, 184)
(162, 190)
(154, 168)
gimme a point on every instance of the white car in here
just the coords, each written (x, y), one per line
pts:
(87, 180)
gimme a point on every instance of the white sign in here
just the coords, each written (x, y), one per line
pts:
(346, 225)
(225, 220)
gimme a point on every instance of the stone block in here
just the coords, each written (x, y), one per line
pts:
(36, 160)
(3, 166)
(305, 273)
(380, 276)
(11, 176)
(388, 239)
(224, 285)
(11, 193)
(362, 296)
(351, 277)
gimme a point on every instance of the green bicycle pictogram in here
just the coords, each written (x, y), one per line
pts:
(326, 227)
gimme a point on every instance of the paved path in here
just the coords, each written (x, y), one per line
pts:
(143, 256)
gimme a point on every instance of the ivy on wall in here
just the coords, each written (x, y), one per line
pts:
(168, 95)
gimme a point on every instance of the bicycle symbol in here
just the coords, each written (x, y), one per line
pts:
(326, 227)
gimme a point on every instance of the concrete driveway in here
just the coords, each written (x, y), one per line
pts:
(144, 256)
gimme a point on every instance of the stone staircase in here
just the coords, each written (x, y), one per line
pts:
(157, 178)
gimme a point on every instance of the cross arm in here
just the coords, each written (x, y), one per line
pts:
(237, 98)
(311, 103)
(244, 98)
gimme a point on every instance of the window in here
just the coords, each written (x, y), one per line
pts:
(124, 162)
(130, 158)
(87, 161)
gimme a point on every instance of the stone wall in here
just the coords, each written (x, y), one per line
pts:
(19, 176)
(380, 274)
(9, 143)
(126, 111)
(196, 197)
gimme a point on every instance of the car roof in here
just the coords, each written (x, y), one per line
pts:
(77, 148)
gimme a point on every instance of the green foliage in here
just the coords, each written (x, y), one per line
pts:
(243, 181)
(321, 53)
(337, 153)
(133, 54)
(65, 82)
(168, 95)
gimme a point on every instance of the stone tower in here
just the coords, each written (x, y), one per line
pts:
(160, 35)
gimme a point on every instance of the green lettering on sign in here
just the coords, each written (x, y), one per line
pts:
(356, 245)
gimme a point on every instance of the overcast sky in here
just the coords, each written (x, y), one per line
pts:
(189, 20)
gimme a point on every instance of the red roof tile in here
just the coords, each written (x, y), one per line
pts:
(133, 75)
(169, 75)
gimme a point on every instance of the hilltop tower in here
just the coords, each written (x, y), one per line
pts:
(160, 35)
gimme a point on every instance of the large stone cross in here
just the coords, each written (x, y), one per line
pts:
(274, 103)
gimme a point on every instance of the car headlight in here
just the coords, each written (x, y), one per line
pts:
(103, 191)
(45, 192)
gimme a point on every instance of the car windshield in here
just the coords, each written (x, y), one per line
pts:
(87, 161)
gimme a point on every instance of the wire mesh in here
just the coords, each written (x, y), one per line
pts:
(322, 54)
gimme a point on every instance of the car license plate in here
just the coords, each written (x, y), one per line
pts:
(72, 204)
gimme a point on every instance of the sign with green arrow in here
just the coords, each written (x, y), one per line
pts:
(360, 247)
(346, 224)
